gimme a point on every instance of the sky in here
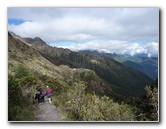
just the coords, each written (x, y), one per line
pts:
(113, 30)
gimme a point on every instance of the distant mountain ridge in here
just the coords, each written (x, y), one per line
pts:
(123, 80)
(21, 53)
(140, 62)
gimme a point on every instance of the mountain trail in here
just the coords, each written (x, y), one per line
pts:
(48, 112)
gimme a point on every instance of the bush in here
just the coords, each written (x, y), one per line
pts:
(20, 108)
(152, 96)
(27, 81)
(81, 106)
(21, 71)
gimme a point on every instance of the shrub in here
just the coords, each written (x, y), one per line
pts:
(81, 106)
(21, 71)
(20, 108)
(27, 81)
(152, 96)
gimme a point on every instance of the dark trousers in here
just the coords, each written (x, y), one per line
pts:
(42, 99)
(39, 99)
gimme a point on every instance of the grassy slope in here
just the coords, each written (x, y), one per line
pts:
(124, 80)
(29, 57)
(66, 84)
(41, 72)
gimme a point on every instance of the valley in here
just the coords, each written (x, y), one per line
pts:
(147, 65)
(81, 82)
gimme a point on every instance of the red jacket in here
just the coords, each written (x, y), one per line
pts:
(48, 91)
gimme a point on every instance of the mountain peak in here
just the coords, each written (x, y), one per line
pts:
(14, 35)
(38, 39)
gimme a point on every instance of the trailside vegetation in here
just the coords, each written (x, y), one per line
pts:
(20, 98)
(79, 105)
(79, 94)
(75, 98)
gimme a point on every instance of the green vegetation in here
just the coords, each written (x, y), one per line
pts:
(78, 105)
(77, 101)
(20, 105)
(21, 92)
(148, 66)
(132, 59)
(123, 80)
(152, 96)
(80, 94)
(147, 105)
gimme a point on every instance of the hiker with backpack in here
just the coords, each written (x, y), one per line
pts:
(42, 94)
(37, 95)
(49, 94)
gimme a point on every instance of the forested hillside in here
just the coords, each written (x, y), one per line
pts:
(80, 93)
(123, 80)
(147, 65)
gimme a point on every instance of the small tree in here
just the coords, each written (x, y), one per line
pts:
(21, 71)
(152, 95)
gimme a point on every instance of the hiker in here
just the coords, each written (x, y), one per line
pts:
(37, 95)
(42, 94)
(49, 94)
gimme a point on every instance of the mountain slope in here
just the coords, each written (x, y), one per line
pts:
(28, 70)
(140, 62)
(133, 65)
(123, 80)
(148, 66)
(78, 92)
(21, 53)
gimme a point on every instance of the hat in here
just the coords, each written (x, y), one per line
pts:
(46, 86)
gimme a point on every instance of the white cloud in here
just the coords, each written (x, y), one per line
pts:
(113, 23)
(152, 48)
(118, 47)
(110, 29)
(63, 29)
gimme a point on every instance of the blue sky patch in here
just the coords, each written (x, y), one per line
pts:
(13, 21)
(62, 44)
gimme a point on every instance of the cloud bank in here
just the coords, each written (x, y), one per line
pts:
(117, 47)
(109, 29)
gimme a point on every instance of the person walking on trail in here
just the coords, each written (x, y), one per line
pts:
(37, 95)
(49, 94)
(42, 94)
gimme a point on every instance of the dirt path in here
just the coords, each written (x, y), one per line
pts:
(48, 112)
